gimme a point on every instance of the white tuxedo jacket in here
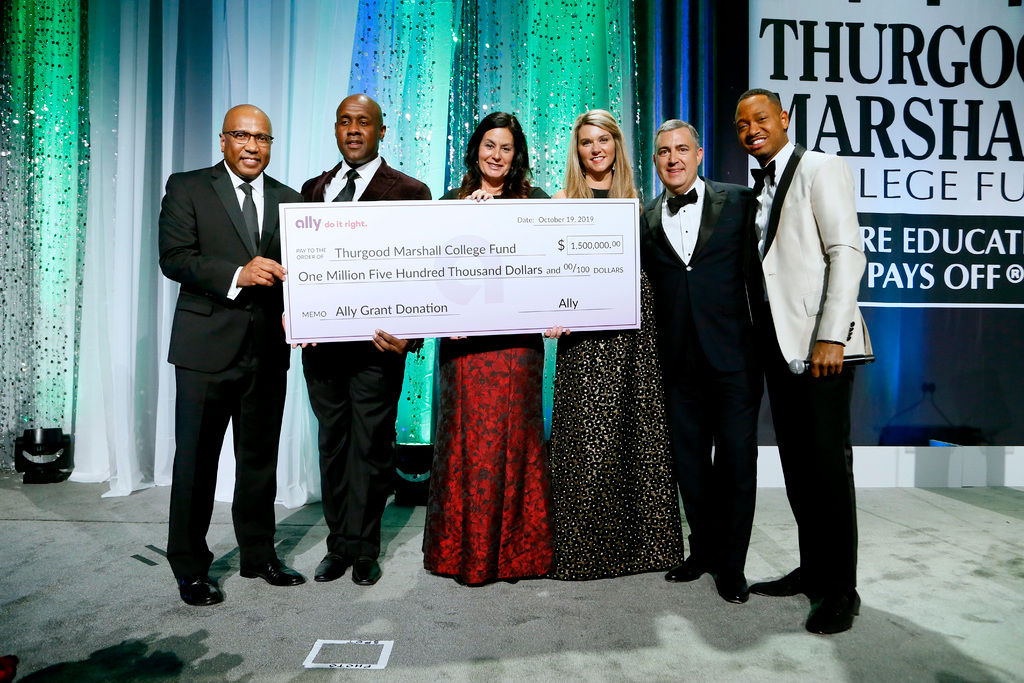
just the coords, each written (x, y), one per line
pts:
(813, 260)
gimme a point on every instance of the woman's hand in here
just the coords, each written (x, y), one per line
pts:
(557, 331)
(285, 327)
(480, 196)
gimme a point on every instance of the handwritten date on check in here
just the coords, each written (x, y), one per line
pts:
(459, 268)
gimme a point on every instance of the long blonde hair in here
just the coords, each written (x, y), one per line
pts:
(622, 174)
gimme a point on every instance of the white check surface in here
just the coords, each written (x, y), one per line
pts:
(459, 268)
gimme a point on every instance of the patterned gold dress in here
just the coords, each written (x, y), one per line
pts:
(613, 490)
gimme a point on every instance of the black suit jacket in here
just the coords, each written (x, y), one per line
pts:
(203, 241)
(708, 296)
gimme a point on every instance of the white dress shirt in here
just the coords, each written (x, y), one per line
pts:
(258, 200)
(339, 181)
(767, 196)
(682, 228)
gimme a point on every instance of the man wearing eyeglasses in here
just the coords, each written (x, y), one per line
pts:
(219, 238)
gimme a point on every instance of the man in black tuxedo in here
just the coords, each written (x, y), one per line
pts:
(692, 248)
(354, 387)
(810, 332)
(219, 238)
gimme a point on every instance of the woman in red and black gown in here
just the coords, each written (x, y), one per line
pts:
(489, 512)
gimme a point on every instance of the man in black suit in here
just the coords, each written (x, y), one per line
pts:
(692, 248)
(354, 387)
(219, 238)
(810, 333)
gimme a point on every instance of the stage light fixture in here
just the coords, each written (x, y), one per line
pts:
(45, 456)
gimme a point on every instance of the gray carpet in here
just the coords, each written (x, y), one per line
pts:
(86, 595)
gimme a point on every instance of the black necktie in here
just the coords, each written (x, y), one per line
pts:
(349, 191)
(681, 200)
(761, 175)
(252, 221)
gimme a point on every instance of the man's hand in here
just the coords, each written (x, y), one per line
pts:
(261, 271)
(827, 359)
(385, 342)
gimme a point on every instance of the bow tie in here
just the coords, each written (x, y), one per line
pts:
(761, 175)
(681, 200)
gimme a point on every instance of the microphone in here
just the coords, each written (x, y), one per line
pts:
(797, 366)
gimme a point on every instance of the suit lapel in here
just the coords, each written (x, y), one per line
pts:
(226, 192)
(712, 209)
(780, 196)
(380, 185)
(321, 184)
(271, 199)
(657, 230)
(653, 216)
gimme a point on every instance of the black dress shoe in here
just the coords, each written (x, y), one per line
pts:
(690, 570)
(732, 586)
(365, 571)
(274, 573)
(834, 613)
(331, 567)
(199, 591)
(790, 584)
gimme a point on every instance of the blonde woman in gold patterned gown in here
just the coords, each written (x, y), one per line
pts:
(612, 484)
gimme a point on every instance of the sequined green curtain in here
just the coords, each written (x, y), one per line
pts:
(438, 68)
(44, 158)
(164, 71)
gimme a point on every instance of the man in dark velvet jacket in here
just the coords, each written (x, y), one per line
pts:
(354, 387)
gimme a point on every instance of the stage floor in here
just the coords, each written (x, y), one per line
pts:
(86, 595)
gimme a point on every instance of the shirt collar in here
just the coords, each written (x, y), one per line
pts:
(236, 181)
(781, 158)
(366, 171)
(698, 184)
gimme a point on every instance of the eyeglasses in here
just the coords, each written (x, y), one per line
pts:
(242, 137)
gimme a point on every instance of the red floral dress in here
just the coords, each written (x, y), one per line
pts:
(489, 513)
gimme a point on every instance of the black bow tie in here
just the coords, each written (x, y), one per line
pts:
(762, 174)
(681, 200)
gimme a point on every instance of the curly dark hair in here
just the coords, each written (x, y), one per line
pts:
(517, 182)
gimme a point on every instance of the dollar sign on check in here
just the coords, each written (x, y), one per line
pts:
(561, 245)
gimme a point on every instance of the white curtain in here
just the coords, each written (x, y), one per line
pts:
(161, 75)
(160, 82)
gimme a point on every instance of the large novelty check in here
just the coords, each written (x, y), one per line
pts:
(453, 268)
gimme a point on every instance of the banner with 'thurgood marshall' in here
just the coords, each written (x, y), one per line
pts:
(925, 100)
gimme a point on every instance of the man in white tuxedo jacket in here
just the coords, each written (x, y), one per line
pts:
(810, 333)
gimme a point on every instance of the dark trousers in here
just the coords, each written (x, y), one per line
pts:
(354, 391)
(251, 397)
(812, 426)
(708, 408)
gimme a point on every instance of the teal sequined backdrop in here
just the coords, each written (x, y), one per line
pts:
(439, 68)
(159, 69)
(44, 163)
